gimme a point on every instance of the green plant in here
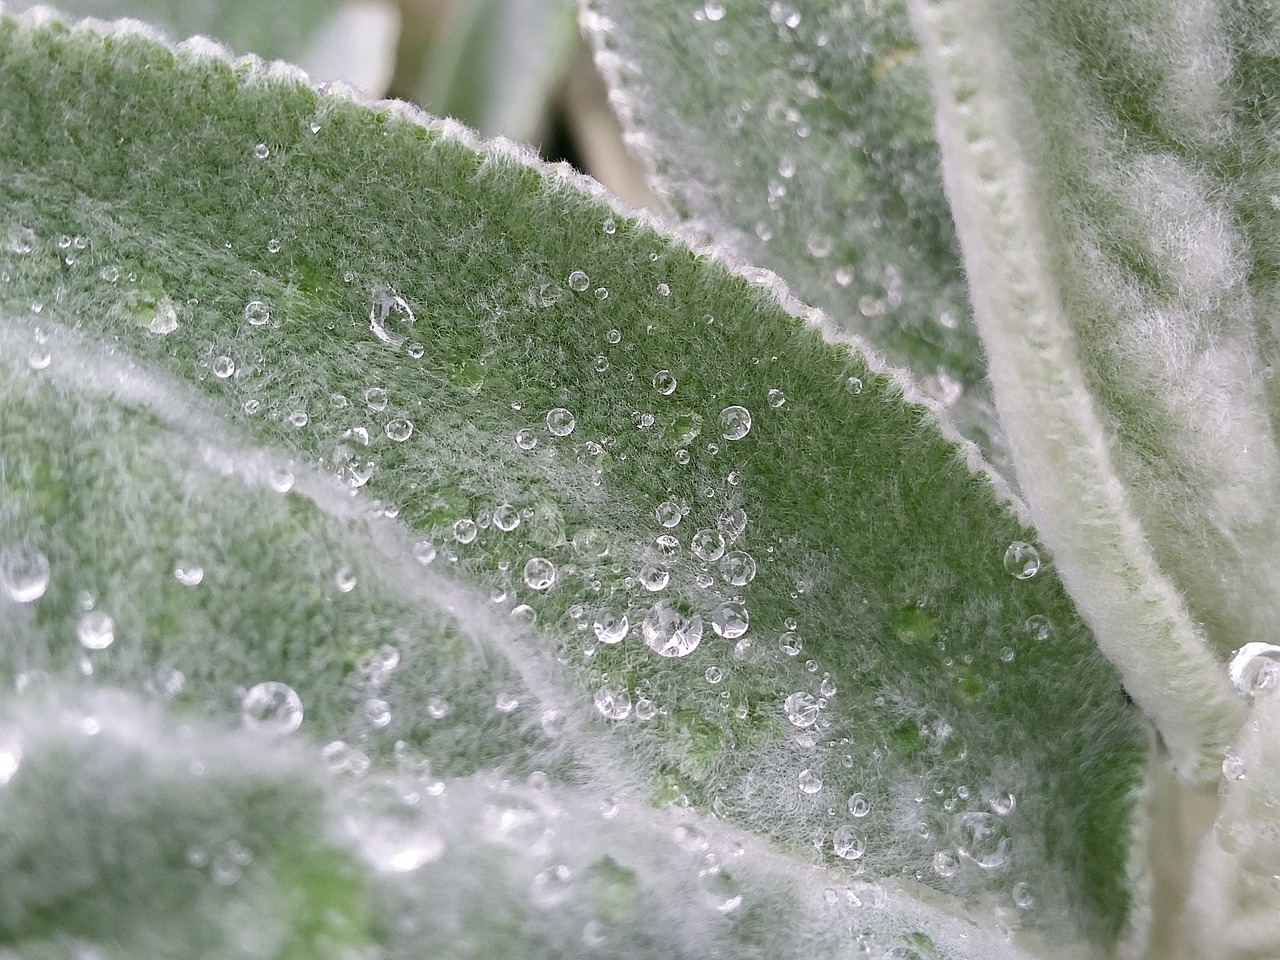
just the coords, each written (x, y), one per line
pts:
(405, 549)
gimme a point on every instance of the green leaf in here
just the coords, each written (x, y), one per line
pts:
(800, 136)
(186, 315)
(1108, 175)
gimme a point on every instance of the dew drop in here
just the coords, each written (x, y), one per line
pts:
(188, 574)
(526, 439)
(791, 643)
(609, 226)
(653, 577)
(1234, 767)
(713, 675)
(166, 319)
(274, 245)
(24, 575)
(614, 336)
(506, 703)
(858, 806)
(399, 429)
(646, 709)
(664, 382)
(1039, 627)
(22, 241)
(438, 708)
(96, 630)
(1023, 898)
(506, 518)
(281, 481)
(664, 290)
(707, 545)
(669, 513)
(730, 620)
(848, 842)
(345, 580)
(39, 358)
(801, 709)
(669, 632)
(809, 782)
(614, 703)
(578, 281)
(610, 627)
(377, 712)
(1255, 668)
(853, 385)
(946, 863)
(257, 313)
(465, 530)
(539, 573)
(560, 422)
(424, 551)
(1022, 560)
(261, 151)
(390, 317)
(735, 422)
(777, 398)
(272, 708)
(732, 523)
(737, 568)
(299, 419)
(223, 367)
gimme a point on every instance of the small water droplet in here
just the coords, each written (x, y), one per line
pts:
(848, 842)
(730, 620)
(820, 245)
(39, 358)
(188, 574)
(614, 336)
(506, 518)
(465, 530)
(777, 398)
(858, 805)
(377, 712)
(1023, 898)
(274, 245)
(578, 281)
(653, 577)
(24, 574)
(438, 708)
(424, 551)
(281, 481)
(262, 151)
(560, 422)
(669, 513)
(539, 573)
(299, 419)
(1039, 627)
(223, 367)
(22, 241)
(257, 313)
(735, 422)
(96, 630)
(1022, 560)
(801, 709)
(713, 675)
(272, 708)
(853, 385)
(399, 429)
(1234, 767)
(613, 702)
(166, 319)
(664, 382)
(345, 580)
(664, 290)
(946, 863)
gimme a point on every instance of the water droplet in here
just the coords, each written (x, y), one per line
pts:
(732, 523)
(791, 643)
(96, 630)
(614, 336)
(257, 313)
(1234, 767)
(299, 419)
(653, 577)
(801, 709)
(666, 547)
(737, 568)
(22, 241)
(664, 290)
(560, 422)
(610, 627)
(730, 620)
(858, 806)
(669, 632)
(342, 758)
(853, 385)
(946, 863)
(262, 151)
(827, 687)
(646, 709)
(601, 363)
(713, 675)
(614, 703)
(24, 574)
(713, 11)
(505, 703)
(820, 245)
(465, 530)
(526, 439)
(390, 318)
(669, 513)
(345, 580)
(166, 319)
(223, 367)
(1022, 560)
(808, 781)
(1039, 627)
(1023, 898)
(735, 422)
(848, 842)
(274, 245)
(272, 708)
(506, 518)
(188, 574)
(539, 573)
(377, 712)
(984, 840)
(664, 382)
(777, 398)
(424, 551)
(609, 226)
(578, 281)
(39, 358)
(707, 545)
(438, 708)
(1255, 668)
(399, 430)
(281, 481)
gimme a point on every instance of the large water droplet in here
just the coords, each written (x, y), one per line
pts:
(613, 702)
(272, 708)
(669, 632)
(738, 568)
(539, 573)
(96, 630)
(848, 842)
(707, 545)
(735, 422)
(801, 708)
(24, 574)
(390, 318)
(610, 627)
(808, 781)
(506, 518)
(730, 619)
(560, 422)
(1255, 668)
(1022, 560)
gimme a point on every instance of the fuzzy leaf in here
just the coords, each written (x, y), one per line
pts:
(547, 388)
(1109, 168)
(799, 135)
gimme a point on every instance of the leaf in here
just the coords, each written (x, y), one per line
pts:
(562, 365)
(1105, 168)
(799, 135)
